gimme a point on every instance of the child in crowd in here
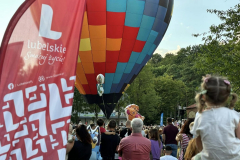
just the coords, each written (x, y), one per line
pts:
(100, 123)
(168, 152)
(217, 126)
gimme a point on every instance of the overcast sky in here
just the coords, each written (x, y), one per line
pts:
(189, 16)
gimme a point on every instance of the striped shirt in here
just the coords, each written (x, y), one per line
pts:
(184, 144)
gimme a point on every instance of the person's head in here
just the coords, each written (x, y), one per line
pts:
(83, 135)
(153, 134)
(93, 126)
(137, 125)
(185, 128)
(128, 124)
(160, 131)
(215, 92)
(168, 150)
(100, 122)
(169, 120)
(112, 125)
(146, 131)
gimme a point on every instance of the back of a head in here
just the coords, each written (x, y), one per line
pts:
(146, 131)
(137, 125)
(160, 131)
(216, 91)
(185, 128)
(128, 123)
(154, 135)
(83, 134)
(112, 124)
(168, 150)
(169, 120)
(100, 122)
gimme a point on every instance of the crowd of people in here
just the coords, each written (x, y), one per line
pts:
(213, 135)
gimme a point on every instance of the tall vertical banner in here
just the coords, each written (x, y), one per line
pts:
(161, 120)
(38, 59)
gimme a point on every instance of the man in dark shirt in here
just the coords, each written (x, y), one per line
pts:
(109, 143)
(126, 131)
(169, 136)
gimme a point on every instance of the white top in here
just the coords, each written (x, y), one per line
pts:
(168, 157)
(143, 133)
(217, 130)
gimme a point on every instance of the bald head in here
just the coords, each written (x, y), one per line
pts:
(137, 125)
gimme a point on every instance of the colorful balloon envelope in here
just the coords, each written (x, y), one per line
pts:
(118, 38)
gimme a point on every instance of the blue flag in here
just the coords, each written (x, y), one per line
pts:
(161, 120)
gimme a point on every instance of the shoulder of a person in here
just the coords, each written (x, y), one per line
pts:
(233, 111)
(124, 139)
(162, 158)
(183, 134)
(103, 135)
(165, 128)
(116, 135)
(147, 140)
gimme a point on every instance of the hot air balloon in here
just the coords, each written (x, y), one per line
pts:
(118, 38)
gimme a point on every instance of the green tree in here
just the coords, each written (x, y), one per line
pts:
(142, 93)
(78, 105)
(172, 94)
(221, 52)
(155, 59)
(81, 106)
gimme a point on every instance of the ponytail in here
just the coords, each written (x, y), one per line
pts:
(200, 102)
(233, 101)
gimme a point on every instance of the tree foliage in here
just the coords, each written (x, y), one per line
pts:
(220, 53)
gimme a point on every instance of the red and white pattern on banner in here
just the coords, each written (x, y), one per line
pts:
(39, 54)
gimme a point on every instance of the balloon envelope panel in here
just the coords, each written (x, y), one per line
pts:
(118, 38)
